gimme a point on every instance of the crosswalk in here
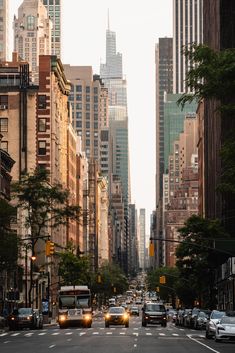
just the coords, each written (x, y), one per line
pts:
(97, 331)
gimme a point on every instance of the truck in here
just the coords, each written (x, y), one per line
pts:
(74, 306)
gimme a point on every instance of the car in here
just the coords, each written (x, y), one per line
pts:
(117, 315)
(154, 313)
(200, 320)
(225, 328)
(22, 318)
(134, 310)
(39, 319)
(215, 316)
(138, 301)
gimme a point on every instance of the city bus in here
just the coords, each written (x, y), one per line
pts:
(74, 306)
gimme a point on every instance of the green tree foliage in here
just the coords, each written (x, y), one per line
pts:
(109, 280)
(8, 239)
(168, 290)
(197, 258)
(73, 269)
(211, 75)
(46, 206)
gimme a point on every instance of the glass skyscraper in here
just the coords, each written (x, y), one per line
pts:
(54, 10)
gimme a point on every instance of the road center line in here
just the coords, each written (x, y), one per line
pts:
(202, 344)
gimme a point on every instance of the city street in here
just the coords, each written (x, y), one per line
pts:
(114, 339)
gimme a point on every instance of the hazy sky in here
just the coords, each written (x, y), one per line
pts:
(138, 25)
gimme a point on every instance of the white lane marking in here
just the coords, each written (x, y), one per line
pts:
(52, 346)
(136, 328)
(6, 342)
(175, 334)
(148, 333)
(55, 333)
(82, 333)
(135, 345)
(101, 328)
(109, 333)
(182, 329)
(203, 344)
(162, 334)
(122, 333)
(136, 334)
(42, 334)
(95, 333)
(68, 333)
(3, 334)
(29, 334)
(15, 334)
(69, 339)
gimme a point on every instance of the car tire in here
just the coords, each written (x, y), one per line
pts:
(144, 324)
(164, 324)
(106, 324)
(217, 339)
(207, 335)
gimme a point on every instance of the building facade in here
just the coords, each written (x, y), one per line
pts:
(142, 239)
(4, 21)
(32, 34)
(54, 10)
(187, 29)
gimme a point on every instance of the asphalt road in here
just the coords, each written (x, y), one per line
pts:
(115, 339)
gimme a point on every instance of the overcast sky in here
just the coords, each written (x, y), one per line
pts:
(138, 25)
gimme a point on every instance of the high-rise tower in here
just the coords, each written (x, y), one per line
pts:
(3, 29)
(187, 24)
(32, 33)
(54, 11)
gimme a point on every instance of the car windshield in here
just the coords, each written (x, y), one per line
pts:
(134, 308)
(217, 314)
(115, 310)
(155, 307)
(25, 311)
(228, 320)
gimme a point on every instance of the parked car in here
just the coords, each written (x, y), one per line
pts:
(215, 316)
(22, 318)
(154, 313)
(117, 315)
(39, 319)
(200, 320)
(225, 328)
(191, 321)
(179, 317)
(187, 317)
(134, 310)
(171, 315)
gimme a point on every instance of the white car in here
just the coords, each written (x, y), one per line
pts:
(215, 316)
(225, 328)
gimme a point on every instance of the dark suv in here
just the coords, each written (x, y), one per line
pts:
(154, 313)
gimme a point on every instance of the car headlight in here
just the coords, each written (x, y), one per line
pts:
(12, 318)
(107, 316)
(62, 318)
(125, 316)
(87, 317)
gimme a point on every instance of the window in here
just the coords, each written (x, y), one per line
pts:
(87, 116)
(95, 99)
(78, 115)
(96, 116)
(87, 89)
(87, 106)
(79, 106)
(87, 142)
(79, 97)
(30, 23)
(3, 102)
(42, 124)
(95, 90)
(42, 101)
(3, 125)
(78, 124)
(87, 125)
(42, 148)
(96, 107)
(87, 98)
(4, 146)
(79, 88)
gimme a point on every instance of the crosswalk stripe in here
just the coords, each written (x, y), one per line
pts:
(109, 333)
(42, 333)
(148, 334)
(15, 334)
(162, 334)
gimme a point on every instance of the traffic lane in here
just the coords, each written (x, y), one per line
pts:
(216, 347)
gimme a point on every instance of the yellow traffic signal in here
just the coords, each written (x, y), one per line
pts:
(162, 279)
(50, 248)
(151, 248)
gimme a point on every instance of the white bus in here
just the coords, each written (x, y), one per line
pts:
(74, 306)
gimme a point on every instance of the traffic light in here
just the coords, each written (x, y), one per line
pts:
(151, 248)
(98, 278)
(157, 289)
(162, 279)
(50, 248)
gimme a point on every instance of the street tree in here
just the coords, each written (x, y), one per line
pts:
(74, 269)
(197, 258)
(45, 206)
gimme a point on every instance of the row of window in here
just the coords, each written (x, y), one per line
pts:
(4, 124)
(78, 97)
(78, 88)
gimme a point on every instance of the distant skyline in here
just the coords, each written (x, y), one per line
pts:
(138, 26)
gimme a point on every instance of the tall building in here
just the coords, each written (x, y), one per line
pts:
(187, 29)
(86, 107)
(54, 11)
(32, 33)
(174, 121)
(164, 84)
(4, 29)
(142, 239)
